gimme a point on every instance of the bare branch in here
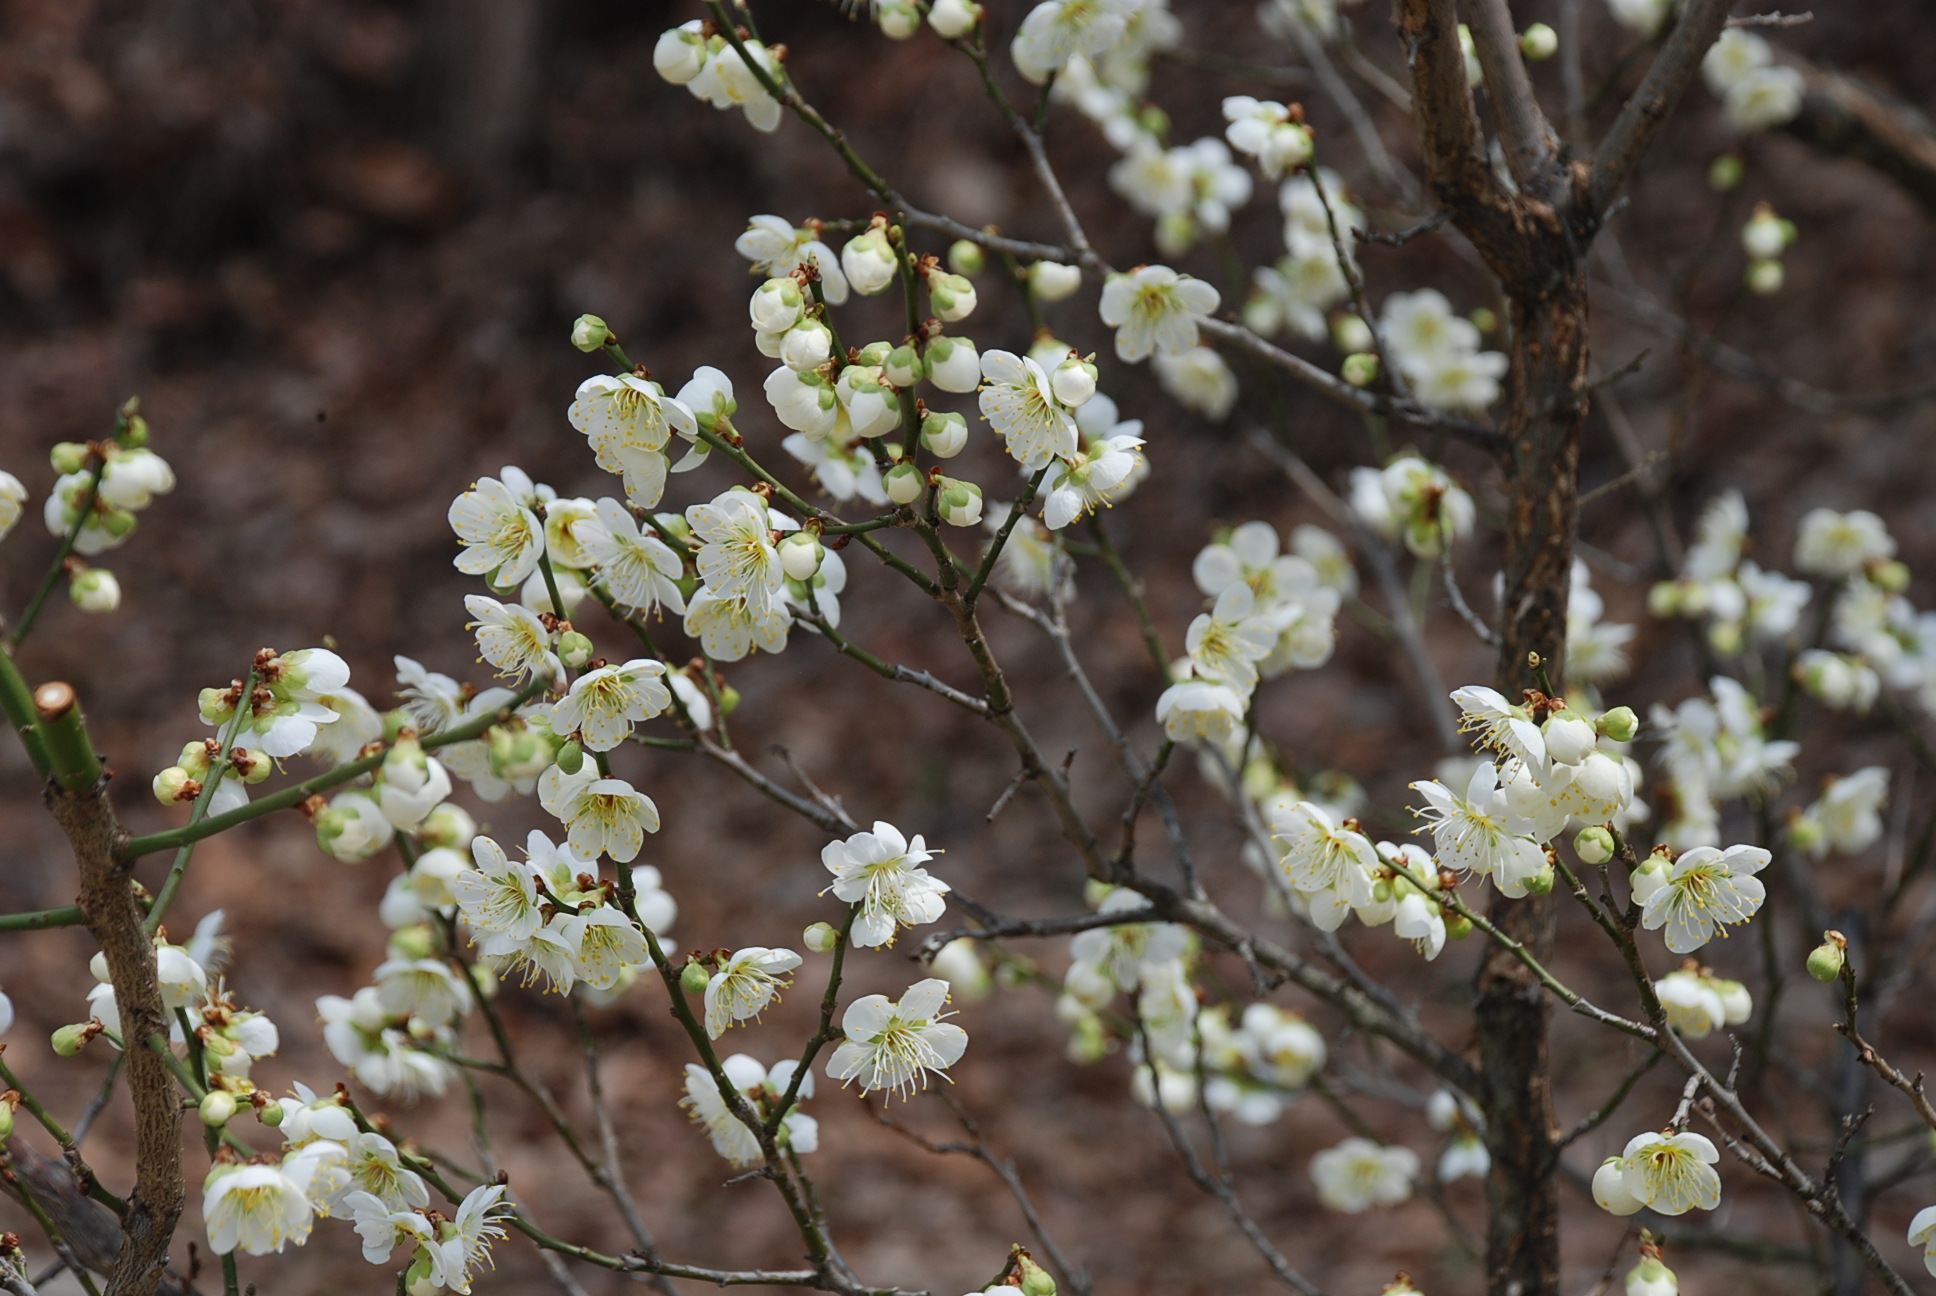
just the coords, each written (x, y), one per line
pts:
(1532, 150)
(1641, 118)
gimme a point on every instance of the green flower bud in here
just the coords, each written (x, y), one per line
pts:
(1457, 925)
(571, 757)
(728, 699)
(270, 1114)
(821, 937)
(449, 825)
(575, 649)
(959, 503)
(904, 367)
(175, 784)
(418, 941)
(1541, 883)
(1381, 891)
(904, 483)
(1725, 172)
(873, 355)
(68, 457)
(951, 295)
(589, 334)
(134, 433)
(1891, 576)
(216, 707)
(1594, 845)
(8, 1102)
(1764, 277)
(944, 434)
(1825, 960)
(1539, 43)
(1619, 724)
(1350, 334)
(218, 1106)
(253, 766)
(1486, 320)
(1805, 832)
(965, 257)
(694, 977)
(1360, 369)
(69, 1040)
(118, 523)
(1035, 1279)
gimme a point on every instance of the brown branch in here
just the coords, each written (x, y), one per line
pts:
(1643, 115)
(1532, 150)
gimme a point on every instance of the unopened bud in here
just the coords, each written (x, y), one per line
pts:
(8, 1102)
(69, 1040)
(1825, 960)
(416, 941)
(1074, 381)
(904, 483)
(952, 296)
(1725, 172)
(1350, 334)
(899, 19)
(134, 434)
(174, 785)
(68, 457)
(575, 649)
(1890, 576)
(960, 502)
(1765, 277)
(1539, 43)
(270, 1114)
(1035, 1280)
(1458, 926)
(449, 826)
(1594, 845)
(588, 333)
(944, 434)
(1541, 883)
(1652, 1278)
(571, 757)
(953, 19)
(800, 555)
(1360, 369)
(218, 1105)
(1051, 281)
(820, 937)
(1620, 724)
(694, 977)
(965, 256)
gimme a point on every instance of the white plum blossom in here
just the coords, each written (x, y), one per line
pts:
(1705, 889)
(1329, 864)
(729, 1134)
(602, 816)
(1837, 545)
(629, 420)
(1199, 711)
(512, 638)
(1671, 1173)
(1123, 952)
(1198, 379)
(639, 570)
(745, 984)
(1359, 1174)
(1089, 479)
(503, 539)
(1846, 816)
(603, 943)
(895, 1046)
(730, 627)
(603, 705)
(777, 249)
(1226, 643)
(1473, 832)
(1922, 1233)
(728, 81)
(259, 1208)
(881, 872)
(1020, 405)
(737, 556)
(1268, 132)
(1056, 30)
(1153, 308)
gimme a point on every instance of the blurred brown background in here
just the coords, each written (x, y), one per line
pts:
(336, 248)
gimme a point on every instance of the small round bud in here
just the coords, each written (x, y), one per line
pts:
(1766, 235)
(1725, 172)
(952, 296)
(951, 20)
(1541, 883)
(1360, 369)
(449, 826)
(1764, 278)
(1350, 334)
(728, 699)
(1569, 739)
(1539, 43)
(8, 1102)
(270, 1114)
(1051, 281)
(904, 483)
(571, 757)
(135, 434)
(417, 941)
(1485, 320)
(95, 590)
(1891, 576)
(175, 784)
(965, 256)
(800, 555)
(1594, 845)
(588, 333)
(960, 502)
(253, 765)
(118, 523)
(1073, 381)
(1652, 1278)
(218, 1106)
(68, 457)
(694, 977)
(899, 19)
(1035, 1279)
(944, 434)
(1825, 960)
(1618, 725)
(70, 1040)
(903, 367)
(807, 345)
(1381, 891)
(575, 649)
(820, 938)
(1457, 925)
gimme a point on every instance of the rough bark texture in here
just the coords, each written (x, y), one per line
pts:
(114, 917)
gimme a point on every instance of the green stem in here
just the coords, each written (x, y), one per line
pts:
(218, 768)
(89, 1181)
(295, 795)
(70, 750)
(55, 1238)
(1015, 516)
(40, 919)
(17, 700)
(32, 614)
(828, 1003)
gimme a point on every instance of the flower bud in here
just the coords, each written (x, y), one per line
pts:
(1726, 638)
(800, 555)
(270, 1114)
(1890, 576)
(904, 483)
(952, 296)
(903, 367)
(1035, 1280)
(1540, 883)
(1051, 281)
(1568, 737)
(1766, 235)
(70, 1040)
(953, 364)
(1458, 926)
(1725, 172)
(820, 937)
(175, 784)
(1618, 725)
(776, 306)
(253, 765)
(1350, 334)
(589, 334)
(118, 523)
(218, 1105)
(216, 706)
(449, 826)
(1539, 43)
(680, 54)
(134, 434)
(1594, 845)
(951, 20)
(571, 757)
(575, 649)
(1764, 278)
(1073, 381)
(8, 1102)
(807, 345)
(1825, 960)
(899, 19)
(869, 260)
(1360, 369)
(944, 434)
(960, 502)
(693, 978)
(728, 699)
(68, 457)
(414, 942)
(1737, 1005)
(965, 256)
(1652, 1278)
